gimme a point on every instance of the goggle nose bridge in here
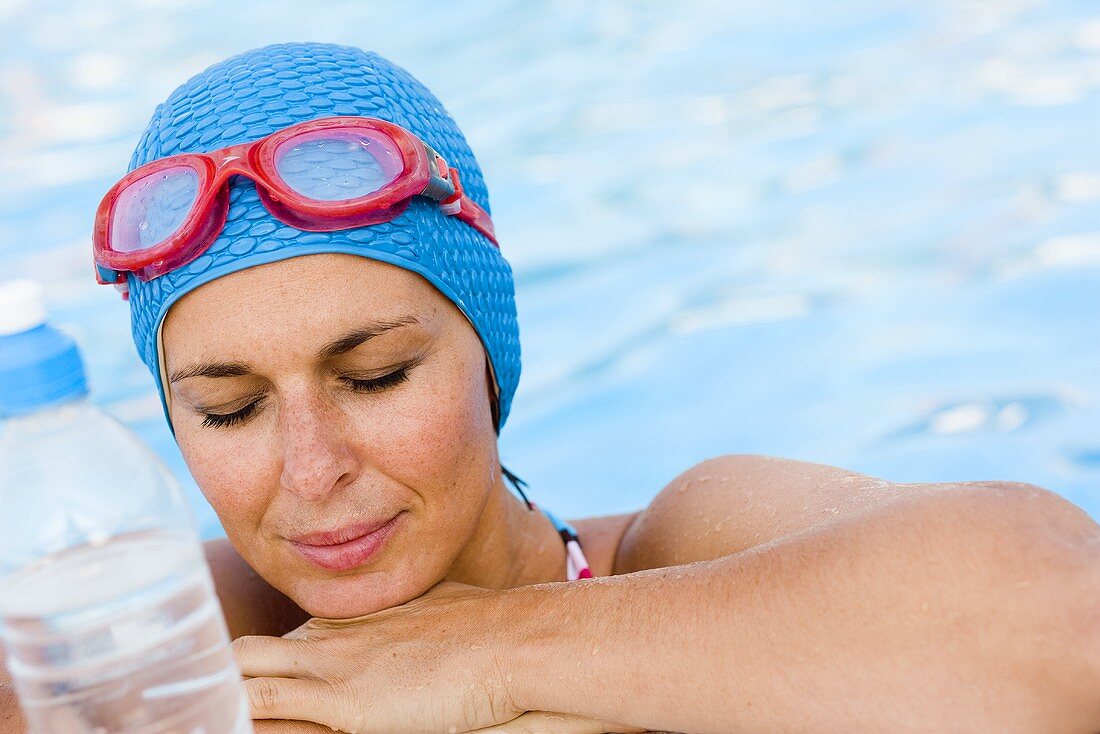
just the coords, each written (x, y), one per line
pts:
(235, 162)
(234, 153)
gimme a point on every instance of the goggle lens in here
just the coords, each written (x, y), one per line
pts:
(152, 208)
(338, 165)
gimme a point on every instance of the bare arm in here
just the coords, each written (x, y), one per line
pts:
(931, 608)
(732, 503)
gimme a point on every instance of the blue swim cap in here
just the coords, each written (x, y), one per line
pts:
(259, 92)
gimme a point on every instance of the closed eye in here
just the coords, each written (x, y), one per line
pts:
(378, 384)
(224, 420)
(372, 385)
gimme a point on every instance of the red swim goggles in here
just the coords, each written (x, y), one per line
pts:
(319, 176)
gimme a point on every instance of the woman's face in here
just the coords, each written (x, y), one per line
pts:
(318, 398)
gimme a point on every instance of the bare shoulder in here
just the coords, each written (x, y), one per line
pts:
(731, 503)
(251, 605)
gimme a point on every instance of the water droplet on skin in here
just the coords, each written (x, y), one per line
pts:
(595, 649)
(452, 730)
(717, 527)
(704, 478)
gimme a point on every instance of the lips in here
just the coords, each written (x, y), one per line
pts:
(345, 548)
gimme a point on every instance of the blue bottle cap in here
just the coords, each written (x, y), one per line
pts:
(39, 365)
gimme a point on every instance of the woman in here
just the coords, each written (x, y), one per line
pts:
(336, 375)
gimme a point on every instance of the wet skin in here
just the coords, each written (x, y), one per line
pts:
(778, 595)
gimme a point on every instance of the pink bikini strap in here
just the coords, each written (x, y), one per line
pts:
(576, 564)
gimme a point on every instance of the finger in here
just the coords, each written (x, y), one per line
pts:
(547, 722)
(259, 656)
(283, 726)
(286, 698)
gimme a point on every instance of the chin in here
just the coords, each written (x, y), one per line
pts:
(354, 596)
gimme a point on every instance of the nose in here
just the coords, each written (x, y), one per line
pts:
(316, 456)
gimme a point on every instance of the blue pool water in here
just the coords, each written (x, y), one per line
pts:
(859, 232)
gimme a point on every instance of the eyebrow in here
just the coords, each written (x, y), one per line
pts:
(334, 348)
(216, 369)
(352, 339)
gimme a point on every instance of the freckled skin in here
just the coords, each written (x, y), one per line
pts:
(791, 592)
(316, 455)
(776, 594)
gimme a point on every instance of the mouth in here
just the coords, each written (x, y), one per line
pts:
(345, 548)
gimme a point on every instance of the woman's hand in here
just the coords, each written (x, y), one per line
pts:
(432, 664)
(428, 665)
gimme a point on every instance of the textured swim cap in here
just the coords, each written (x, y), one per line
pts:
(259, 92)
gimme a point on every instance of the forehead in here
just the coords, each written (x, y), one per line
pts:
(305, 298)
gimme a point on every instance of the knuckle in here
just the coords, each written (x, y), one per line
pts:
(263, 694)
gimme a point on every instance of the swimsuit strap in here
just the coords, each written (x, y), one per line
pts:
(576, 565)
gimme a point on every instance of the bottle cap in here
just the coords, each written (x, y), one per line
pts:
(39, 365)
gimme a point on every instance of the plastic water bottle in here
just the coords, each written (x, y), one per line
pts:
(109, 616)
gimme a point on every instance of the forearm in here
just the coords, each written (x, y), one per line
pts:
(900, 618)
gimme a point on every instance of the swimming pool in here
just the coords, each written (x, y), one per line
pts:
(857, 232)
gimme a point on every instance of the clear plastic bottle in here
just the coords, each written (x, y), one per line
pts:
(109, 615)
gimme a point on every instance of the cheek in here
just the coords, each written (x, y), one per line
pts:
(446, 429)
(233, 478)
(441, 443)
